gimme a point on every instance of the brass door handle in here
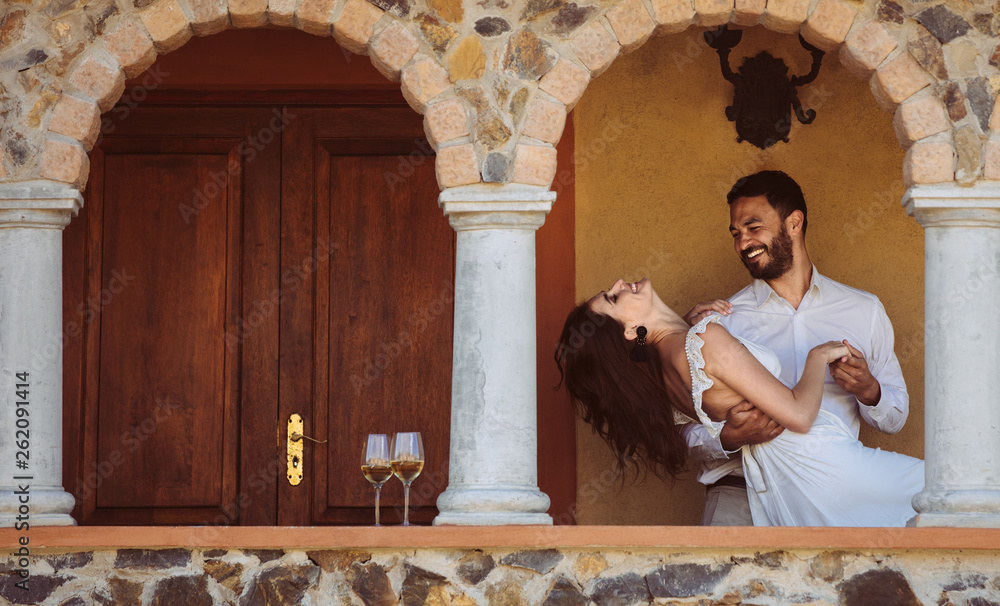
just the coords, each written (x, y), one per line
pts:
(297, 436)
(294, 448)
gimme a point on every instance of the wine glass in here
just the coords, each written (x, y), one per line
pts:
(375, 464)
(407, 462)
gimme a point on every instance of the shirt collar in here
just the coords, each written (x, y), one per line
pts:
(762, 291)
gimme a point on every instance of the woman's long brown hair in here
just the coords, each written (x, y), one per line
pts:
(627, 403)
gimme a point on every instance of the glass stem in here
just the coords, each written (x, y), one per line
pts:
(378, 492)
(406, 504)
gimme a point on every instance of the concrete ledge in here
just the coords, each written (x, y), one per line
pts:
(332, 537)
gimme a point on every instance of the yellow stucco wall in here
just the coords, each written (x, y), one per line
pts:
(655, 156)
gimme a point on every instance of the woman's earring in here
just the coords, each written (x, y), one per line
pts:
(639, 353)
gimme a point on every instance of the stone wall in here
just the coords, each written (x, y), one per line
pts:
(505, 577)
(495, 78)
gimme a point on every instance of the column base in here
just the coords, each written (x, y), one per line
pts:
(35, 520)
(955, 520)
(958, 508)
(43, 507)
(492, 506)
(498, 518)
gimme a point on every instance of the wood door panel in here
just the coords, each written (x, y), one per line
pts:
(160, 393)
(162, 343)
(377, 314)
(390, 302)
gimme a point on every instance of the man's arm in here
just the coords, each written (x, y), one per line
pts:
(701, 445)
(887, 405)
(699, 311)
(745, 424)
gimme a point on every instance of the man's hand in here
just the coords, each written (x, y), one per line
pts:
(746, 424)
(699, 311)
(853, 375)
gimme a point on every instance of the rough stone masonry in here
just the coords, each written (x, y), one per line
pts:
(551, 577)
(495, 78)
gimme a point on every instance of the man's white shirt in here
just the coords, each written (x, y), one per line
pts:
(829, 311)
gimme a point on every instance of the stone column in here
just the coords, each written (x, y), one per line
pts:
(32, 217)
(493, 473)
(961, 353)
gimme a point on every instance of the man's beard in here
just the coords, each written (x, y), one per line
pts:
(780, 252)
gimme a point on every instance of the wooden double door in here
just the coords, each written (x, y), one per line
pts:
(233, 266)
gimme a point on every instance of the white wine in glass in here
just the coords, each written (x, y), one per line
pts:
(375, 465)
(407, 462)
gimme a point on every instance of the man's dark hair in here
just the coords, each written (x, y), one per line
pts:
(782, 192)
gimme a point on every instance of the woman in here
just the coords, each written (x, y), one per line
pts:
(633, 366)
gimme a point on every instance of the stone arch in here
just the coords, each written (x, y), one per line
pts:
(905, 64)
(67, 106)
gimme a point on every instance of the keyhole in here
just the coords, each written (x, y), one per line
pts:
(295, 462)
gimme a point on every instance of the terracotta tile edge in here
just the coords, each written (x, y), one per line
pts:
(565, 537)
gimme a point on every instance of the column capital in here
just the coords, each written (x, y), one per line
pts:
(951, 205)
(40, 203)
(496, 206)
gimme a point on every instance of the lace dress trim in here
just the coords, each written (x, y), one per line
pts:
(699, 380)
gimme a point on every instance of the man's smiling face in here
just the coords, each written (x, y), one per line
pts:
(760, 237)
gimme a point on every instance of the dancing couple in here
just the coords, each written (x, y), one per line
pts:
(767, 390)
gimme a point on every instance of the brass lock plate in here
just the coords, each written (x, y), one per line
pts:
(294, 449)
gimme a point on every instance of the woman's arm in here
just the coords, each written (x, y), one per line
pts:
(728, 361)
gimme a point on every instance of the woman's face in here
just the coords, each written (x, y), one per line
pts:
(628, 302)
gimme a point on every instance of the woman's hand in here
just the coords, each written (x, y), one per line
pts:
(699, 311)
(853, 375)
(831, 351)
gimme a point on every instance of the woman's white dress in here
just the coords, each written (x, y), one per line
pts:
(825, 477)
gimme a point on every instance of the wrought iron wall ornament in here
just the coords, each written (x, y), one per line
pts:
(763, 96)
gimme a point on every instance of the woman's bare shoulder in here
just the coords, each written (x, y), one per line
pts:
(716, 334)
(718, 353)
(720, 347)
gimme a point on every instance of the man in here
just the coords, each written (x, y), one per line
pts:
(789, 308)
